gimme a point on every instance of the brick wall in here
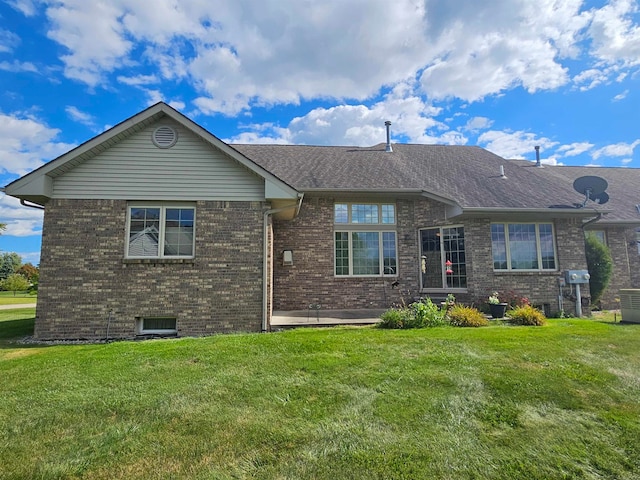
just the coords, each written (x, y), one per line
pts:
(311, 279)
(84, 275)
(626, 264)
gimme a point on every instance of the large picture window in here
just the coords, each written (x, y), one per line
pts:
(523, 246)
(160, 231)
(365, 239)
(443, 262)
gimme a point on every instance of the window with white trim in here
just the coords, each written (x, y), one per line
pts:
(160, 231)
(365, 239)
(523, 246)
(156, 325)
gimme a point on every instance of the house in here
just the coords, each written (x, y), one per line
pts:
(156, 226)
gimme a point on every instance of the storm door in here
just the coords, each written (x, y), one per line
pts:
(442, 258)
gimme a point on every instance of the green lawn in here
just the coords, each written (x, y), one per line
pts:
(7, 298)
(560, 401)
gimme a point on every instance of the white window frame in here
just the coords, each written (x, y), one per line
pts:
(140, 330)
(163, 206)
(538, 249)
(443, 260)
(380, 228)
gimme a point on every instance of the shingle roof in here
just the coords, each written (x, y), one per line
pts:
(468, 176)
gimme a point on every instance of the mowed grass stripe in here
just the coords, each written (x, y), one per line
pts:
(559, 401)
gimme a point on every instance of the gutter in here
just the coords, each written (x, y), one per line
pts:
(24, 203)
(265, 253)
(593, 220)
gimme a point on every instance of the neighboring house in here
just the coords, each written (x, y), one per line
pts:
(157, 226)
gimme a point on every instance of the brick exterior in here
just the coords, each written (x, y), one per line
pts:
(626, 264)
(311, 279)
(84, 275)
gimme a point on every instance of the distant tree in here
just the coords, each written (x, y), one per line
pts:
(15, 283)
(28, 271)
(9, 264)
(600, 267)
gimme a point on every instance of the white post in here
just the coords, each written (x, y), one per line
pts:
(578, 301)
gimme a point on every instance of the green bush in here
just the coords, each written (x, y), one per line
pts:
(527, 315)
(427, 314)
(461, 316)
(394, 318)
(600, 267)
(417, 315)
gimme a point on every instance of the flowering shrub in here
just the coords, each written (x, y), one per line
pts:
(460, 316)
(527, 315)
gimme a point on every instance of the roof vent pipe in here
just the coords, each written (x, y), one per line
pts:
(388, 147)
(538, 164)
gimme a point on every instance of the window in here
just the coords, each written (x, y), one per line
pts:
(160, 231)
(599, 234)
(523, 246)
(156, 326)
(365, 239)
(443, 258)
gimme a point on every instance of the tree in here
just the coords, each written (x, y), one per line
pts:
(600, 267)
(15, 283)
(9, 264)
(28, 271)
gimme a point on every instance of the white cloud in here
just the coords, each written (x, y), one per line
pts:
(27, 7)
(626, 161)
(21, 221)
(80, 117)
(616, 39)
(138, 80)
(8, 41)
(155, 96)
(17, 66)
(621, 96)
(514, 145)
(478, 123)
(591, 78)
(412, 120)
(574, 149)
(616, 150)
(25, 144)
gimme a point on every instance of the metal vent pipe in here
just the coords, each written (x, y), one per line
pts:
(538, 164)
(388, 147)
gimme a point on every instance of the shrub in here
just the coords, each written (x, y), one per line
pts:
(417, 315)
(394, 318)
(600, 266)
(527, 315)
(461, 316)
(427, 314)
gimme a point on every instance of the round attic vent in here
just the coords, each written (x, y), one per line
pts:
(164, 137)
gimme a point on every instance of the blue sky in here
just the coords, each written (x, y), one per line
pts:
(503, 74)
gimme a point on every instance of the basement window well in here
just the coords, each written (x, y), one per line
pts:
(156, 326)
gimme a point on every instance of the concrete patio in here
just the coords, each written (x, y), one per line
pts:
(322, 318)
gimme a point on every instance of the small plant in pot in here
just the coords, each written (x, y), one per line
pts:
(496, 307)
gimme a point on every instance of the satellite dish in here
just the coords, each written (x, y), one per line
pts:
(593, 188)
(601, 198)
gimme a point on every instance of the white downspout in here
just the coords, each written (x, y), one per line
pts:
(265, 258)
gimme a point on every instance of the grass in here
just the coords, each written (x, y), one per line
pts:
(7, 298)
(501, 402)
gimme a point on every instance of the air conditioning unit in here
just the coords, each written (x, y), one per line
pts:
(630, 305)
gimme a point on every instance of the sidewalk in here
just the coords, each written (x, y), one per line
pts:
(17, 305)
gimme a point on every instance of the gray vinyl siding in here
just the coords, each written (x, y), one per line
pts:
(135, 169)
